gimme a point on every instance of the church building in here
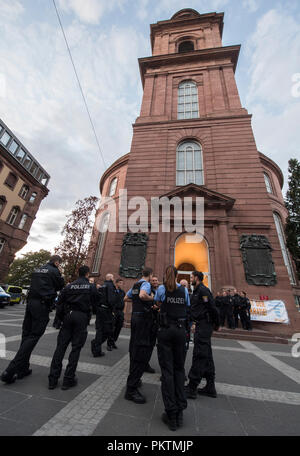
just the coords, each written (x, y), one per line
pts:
(194, 139)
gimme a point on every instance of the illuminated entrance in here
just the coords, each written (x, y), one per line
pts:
(192, 256)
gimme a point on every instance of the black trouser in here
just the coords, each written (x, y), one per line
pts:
(245, 319)
(104, 330)
(223, 314)
(229, 316)
(34, 325)
(118, 321)
(203, 363)
(74, 331)
(140, 348)
(171, 351)
(153, 337)
(236, 313)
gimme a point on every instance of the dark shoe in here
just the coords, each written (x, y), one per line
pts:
(135, 396)
(191, 392)
(179, 418)
(69, 384)
(149, 369)
(208, 390)
(109, 348)
(52, 384)
(24, 374)
(114, 346)
(8, 378)
(170, 421)
(98, 355)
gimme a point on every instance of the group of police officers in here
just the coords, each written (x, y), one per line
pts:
(162, 315)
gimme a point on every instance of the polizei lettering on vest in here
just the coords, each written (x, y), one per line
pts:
(80, 287)
(124, 446)
(173, 300)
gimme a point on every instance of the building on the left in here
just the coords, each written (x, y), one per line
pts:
(23, 185)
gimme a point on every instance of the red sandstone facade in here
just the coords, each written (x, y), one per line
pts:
(237, 201)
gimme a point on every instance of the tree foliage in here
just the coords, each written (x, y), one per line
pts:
(292, 202)
(22, 268)
(77, 230)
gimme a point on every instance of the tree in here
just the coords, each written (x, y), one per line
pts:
(22, 268)
(292, 202)
(77, 230)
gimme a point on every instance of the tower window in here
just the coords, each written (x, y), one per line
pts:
(186, 46)
(284, 250)
(188, 100)
(33, 197)
(24, 191)
(268, 183)
(113, 186)
(23, 221)
(11, 219)
(189, 167)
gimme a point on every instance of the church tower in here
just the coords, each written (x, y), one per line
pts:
(193, 138)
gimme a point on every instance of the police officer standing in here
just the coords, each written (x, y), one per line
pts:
(236, 308)
(154, 328)
(45, 282)
(73, 310)
(206, 319)
(118, 314)
(140, 346)
(173, 300)
(245, 311)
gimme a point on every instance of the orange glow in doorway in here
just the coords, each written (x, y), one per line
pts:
(195, 253)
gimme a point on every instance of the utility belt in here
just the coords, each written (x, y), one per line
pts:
(49, 302)
(104, 307)
(165, 321)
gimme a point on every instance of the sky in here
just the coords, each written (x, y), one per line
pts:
(41, 103)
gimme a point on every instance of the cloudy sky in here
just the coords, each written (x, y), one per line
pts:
(42, 104)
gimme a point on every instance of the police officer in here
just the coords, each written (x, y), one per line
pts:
(206, 319)
(73, 309)
(104, 317)
(173, 300)
(154, 328)
(45, 282)
(229, 309)
(245, 311)
(118, 314)
(223, 309)
(236, 308)
(140, 346)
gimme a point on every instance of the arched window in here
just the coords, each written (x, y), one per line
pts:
(24, 191)
(268, 183)
(11, 181)
(33, 197)
(2, 242)
(11, 219)
(189, 167)
(186, 46)
(101, 241)
(113, 186)
(188, 100)
(284, 250)
(23, 221)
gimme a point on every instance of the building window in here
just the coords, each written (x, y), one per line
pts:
(1, 166)
(101, 241)
(5, 138)
(23, 221)
(284, 250)
(189, 168)
(2, 242)
(11, 219)
(13, 147)
(186, 46)
(33, 168)
(39, 174)
(188, 100)
(20, 155)
(2, 203)
(11, 181)
(33, 197)
(268, 183)
(297, 300)
(24, 191)
(113, 186)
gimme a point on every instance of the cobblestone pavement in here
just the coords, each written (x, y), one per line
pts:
(257, 383)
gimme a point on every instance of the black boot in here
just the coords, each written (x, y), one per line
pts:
(190, 391)
(69, 383)
(179, 418)
(135, 396)
(170, 420)
(8, 378)
(209, 389)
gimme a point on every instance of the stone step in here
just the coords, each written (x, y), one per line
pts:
(257, 335)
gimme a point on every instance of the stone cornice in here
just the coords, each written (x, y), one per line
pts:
(231, 52)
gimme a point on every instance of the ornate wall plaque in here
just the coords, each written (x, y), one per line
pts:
(133, 256)
(257, 259)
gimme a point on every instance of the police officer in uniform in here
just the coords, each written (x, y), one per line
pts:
(74, 307)
(173, 300)
(229, 310)
(245, 311)
(45, 282)
(206, 319)
(118, 314)
(236, 308)
(154, 286)
(140, 345)
(104, 317)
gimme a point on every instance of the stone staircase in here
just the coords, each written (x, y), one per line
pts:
(256, 335)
